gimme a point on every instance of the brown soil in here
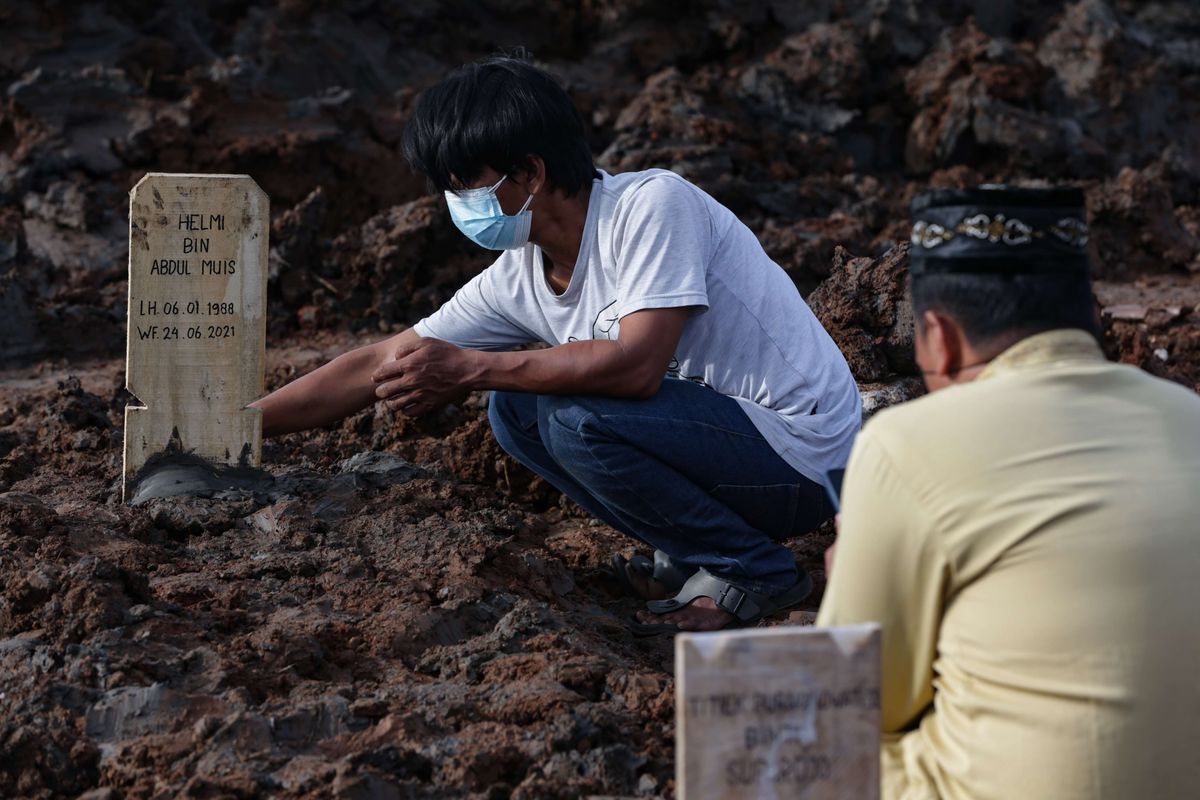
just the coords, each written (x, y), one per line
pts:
(406, 612)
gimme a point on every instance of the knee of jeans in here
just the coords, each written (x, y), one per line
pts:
(559, 419)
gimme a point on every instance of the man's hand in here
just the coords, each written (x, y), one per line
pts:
(425, 374)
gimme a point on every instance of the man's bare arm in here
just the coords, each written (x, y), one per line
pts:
(633, 365)
(331, 392)
(418, 375)
(427, 373)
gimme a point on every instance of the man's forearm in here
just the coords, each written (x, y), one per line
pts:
(632, 365)
(321, 397)
(585, 367)
(334, 391)
(426, 373)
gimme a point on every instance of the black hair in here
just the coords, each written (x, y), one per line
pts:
(496, 113)
(997, 310)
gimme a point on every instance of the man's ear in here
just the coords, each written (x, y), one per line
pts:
(943, 344)
(533, 174)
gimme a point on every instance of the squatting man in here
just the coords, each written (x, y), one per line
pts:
(688, 397)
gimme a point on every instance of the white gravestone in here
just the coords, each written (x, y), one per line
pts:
(197, 322)
(783, 712)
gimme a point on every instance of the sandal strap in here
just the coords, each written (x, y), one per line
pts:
(742, 604)
(668, 572)
(663, 569)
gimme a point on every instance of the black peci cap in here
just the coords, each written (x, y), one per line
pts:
(999, 229)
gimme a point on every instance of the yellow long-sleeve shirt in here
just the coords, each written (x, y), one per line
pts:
(1030, 543)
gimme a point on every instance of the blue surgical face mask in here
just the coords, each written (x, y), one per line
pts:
(477, 213)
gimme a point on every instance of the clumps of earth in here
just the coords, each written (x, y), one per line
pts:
(398, 609)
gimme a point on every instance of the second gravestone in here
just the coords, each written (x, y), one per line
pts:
(773, 713)
(197, 322)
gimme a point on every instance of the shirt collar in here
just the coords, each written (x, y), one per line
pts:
(1051, 347)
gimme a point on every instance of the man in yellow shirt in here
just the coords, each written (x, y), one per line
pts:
(1028, 534)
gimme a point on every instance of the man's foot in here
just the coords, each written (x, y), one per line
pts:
(709, 603)
(701, 615)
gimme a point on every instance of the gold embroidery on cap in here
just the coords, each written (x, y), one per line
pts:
(1070, 230)
(999, 228)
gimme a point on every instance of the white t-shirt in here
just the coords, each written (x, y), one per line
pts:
(653, 240)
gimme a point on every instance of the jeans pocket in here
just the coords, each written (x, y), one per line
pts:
(778, 510)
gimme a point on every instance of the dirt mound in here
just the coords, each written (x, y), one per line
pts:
(813, 123)
(865, 306)
(1136, 227)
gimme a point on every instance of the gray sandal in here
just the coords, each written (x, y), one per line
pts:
(661, 569)
(745, 606)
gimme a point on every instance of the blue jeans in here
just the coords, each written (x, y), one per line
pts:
(685, 471)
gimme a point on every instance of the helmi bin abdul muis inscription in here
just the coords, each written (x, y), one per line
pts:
(197, 323)
(783, 712)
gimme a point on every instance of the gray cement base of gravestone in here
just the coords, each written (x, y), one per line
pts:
(169, 475)
(187, 475)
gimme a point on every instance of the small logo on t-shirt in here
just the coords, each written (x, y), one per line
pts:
(606, 325)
